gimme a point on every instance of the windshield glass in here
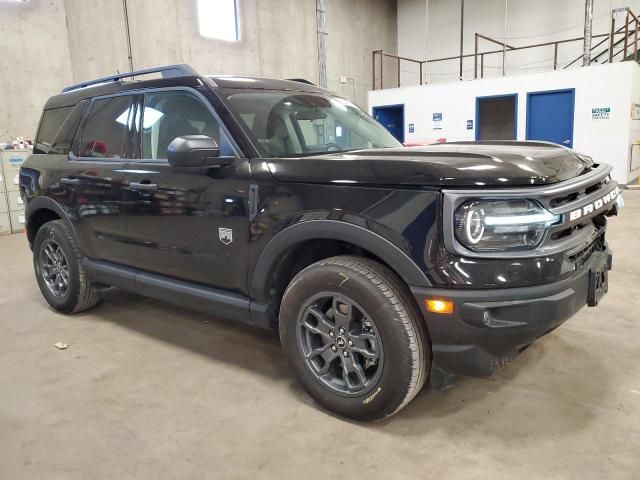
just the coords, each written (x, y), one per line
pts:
(292, 124)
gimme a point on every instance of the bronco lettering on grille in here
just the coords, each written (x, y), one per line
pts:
(594, 206)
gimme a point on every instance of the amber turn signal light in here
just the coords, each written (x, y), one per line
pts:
(438, 306)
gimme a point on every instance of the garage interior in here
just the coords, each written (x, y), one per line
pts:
(140, 388)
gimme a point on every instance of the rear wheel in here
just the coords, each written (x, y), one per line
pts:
(59, 272)
(354, 337)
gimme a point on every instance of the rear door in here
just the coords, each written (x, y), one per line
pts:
(186, 223)
(90, 182)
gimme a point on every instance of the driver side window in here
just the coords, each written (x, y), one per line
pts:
(172, 114)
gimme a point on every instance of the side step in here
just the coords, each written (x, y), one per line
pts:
(209, 300)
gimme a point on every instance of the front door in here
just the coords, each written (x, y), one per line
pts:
(550, 116)
(186, 223)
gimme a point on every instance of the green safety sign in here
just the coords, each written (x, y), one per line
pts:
(600, 113)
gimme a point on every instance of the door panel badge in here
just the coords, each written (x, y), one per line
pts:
(225, 235)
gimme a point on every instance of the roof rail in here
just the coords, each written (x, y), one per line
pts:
(179, 70)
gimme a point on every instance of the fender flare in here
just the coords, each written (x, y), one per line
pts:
(384, 249)
(45, 203)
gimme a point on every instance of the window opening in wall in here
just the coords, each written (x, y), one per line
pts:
(219, 19)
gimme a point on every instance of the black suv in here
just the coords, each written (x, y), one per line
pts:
(279, 204)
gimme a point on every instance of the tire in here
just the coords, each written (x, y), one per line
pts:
(381, 311)
(56, 257)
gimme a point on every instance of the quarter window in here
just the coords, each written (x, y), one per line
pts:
(64, 138)
(105, 133)
(172, 114)
(49, 125)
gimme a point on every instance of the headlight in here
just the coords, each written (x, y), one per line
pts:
(496, 225)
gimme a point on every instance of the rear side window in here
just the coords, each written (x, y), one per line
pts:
(49, 126)
(105, 132)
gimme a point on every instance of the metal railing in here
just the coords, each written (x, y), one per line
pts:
(626, 32)
(508, 48)
(614, 39)
(625, 36)
(382, 55)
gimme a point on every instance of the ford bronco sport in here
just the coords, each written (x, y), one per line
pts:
(279, 204)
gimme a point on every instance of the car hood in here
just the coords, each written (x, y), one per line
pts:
(464, 164)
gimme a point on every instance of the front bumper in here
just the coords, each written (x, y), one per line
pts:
(488, 328)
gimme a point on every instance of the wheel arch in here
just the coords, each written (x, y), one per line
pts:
(41, 210)
(380, 248)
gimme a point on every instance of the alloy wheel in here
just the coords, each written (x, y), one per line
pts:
(340, 343)
(54, 268)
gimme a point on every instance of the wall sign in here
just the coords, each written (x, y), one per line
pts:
(437, 121)
(600, 113)
(635, 111)
(469, 124)
(411, 128)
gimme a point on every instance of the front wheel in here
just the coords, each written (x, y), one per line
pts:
(354, 337)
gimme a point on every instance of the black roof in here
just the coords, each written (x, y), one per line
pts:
(116, 83)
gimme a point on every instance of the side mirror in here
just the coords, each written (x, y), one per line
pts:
(195, 151)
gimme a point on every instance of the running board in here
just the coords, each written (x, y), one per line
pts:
(209, 300)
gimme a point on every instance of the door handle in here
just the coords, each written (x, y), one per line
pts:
(143, 187)
(70, 181)
(567, 141)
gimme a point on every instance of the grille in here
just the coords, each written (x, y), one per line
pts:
(583, 256)
(586, 191)
(560, 234)
(577, 195)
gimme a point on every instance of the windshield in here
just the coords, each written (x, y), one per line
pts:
(292, 124)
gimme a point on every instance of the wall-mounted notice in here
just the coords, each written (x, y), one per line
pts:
(600, 113)
(437, 121)
(635, 111)
(412, 128)
(469, 124)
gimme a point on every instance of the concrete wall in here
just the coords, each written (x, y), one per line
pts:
(528, 22)
(35, 62)
(97, 38)
(354, 29)
(412, 37)
(48, 44)
(606, 140)
(278, 38)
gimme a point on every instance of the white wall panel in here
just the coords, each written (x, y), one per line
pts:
(616, 86)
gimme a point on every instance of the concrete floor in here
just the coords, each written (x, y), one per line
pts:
(150, 390)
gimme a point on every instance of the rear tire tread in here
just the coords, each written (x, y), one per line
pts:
(88, 297)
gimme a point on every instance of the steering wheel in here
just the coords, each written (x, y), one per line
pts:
(333, 145)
